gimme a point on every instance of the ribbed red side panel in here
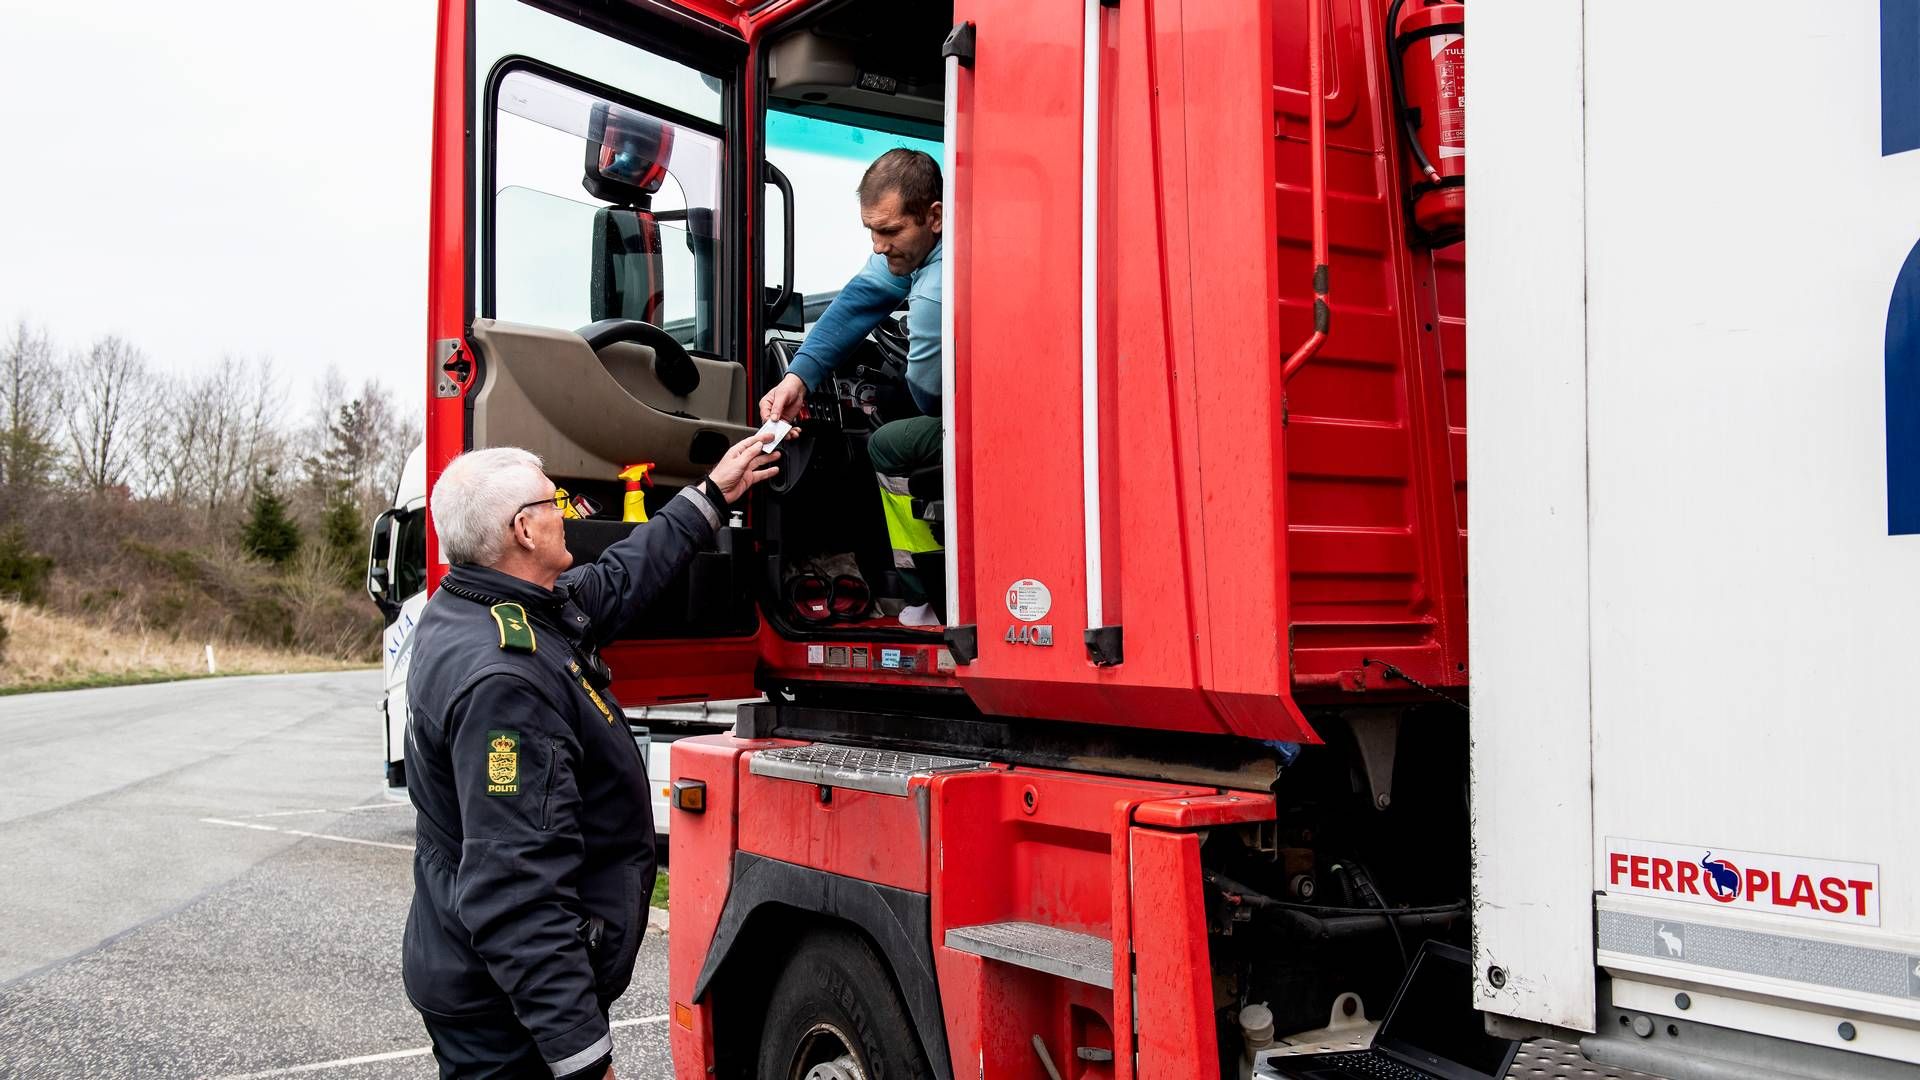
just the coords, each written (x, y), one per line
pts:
(1376, 428)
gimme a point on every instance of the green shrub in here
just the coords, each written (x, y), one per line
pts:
(269, 532)
(167, 609)
(182, 564)
(96, 600)
(263, 619)
(23, 572)
(344, 536)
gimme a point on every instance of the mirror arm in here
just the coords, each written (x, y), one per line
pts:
(779, 179)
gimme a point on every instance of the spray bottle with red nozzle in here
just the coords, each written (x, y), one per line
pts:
(635, 504)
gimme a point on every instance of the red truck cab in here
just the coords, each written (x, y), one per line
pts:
(1200, 600)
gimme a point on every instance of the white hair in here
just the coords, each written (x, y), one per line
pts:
(475, 500)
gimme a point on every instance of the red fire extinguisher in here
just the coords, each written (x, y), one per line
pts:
(1430, 84)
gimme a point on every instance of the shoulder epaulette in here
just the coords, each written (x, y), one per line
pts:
(516, 632)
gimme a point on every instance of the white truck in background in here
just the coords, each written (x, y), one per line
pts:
(397, 583)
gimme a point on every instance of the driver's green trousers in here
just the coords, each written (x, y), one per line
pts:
(898, 450)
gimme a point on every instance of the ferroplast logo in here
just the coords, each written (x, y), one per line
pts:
(1723, 878)
(1745, 880)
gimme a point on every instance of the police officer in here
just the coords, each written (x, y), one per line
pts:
(534, 859)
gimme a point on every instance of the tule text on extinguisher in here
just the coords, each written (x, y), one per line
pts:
(1429, 68)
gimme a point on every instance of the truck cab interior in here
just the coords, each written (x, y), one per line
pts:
(843, 87)
(608, 334)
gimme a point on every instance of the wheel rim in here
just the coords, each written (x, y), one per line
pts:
(825, 1053)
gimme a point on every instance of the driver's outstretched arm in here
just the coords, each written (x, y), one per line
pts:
(867, 299)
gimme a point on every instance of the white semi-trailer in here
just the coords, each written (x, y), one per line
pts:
(1695, 573)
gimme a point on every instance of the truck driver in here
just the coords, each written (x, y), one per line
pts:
(900, 207)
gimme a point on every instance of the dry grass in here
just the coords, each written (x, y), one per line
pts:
(46, 651)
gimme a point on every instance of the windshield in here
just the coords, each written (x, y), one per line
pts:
(601, 211)
(824, 161)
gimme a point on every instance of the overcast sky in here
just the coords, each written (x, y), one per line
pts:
(213, 176)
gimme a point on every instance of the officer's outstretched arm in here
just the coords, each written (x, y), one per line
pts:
(629, 575)
(513, 766)
(615, 588)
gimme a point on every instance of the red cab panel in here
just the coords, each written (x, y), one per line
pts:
(1121, 414)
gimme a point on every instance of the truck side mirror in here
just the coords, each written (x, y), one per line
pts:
(380, 566)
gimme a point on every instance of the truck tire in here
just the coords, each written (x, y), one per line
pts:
(833, 1015)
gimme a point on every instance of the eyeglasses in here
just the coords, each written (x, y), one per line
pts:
(570, 506)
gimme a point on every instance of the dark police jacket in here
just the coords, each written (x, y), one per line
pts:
(534, 858)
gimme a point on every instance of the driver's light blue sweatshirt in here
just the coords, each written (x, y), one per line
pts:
(873, 294)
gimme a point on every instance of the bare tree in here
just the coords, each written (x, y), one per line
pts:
(31, 387)
(346, 457)
(407, 435)
(329, 395)
(167, 451)
(108, 397)
(390, 437)
(208, 435)
(236, 429)
(320, 456)
(357, 447)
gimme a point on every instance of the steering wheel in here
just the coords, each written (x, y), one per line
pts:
(794, 456)
(890, 337)
(672, 364)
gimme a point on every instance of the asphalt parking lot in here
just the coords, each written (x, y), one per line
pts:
(207, 879)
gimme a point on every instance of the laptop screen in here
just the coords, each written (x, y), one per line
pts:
(1434, 1016)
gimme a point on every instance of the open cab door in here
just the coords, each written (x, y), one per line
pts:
(1117, 519)
(587, 293)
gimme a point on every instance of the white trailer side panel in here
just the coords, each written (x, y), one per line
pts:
(1527, 514)
(1754, 634)
(1752, 627)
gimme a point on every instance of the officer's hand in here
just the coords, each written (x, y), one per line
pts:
(744, 466)
(609, 1073)
(786, 401)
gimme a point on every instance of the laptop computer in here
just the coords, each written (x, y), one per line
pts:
(1431, 1032)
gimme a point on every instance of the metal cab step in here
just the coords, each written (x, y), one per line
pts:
(1085, 958)
(885, 772)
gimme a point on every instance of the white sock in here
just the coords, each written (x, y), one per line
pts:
(919, 615)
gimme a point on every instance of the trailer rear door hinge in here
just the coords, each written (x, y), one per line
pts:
(1104, 646)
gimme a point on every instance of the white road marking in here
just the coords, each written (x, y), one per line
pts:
(391, 1055)
(308, 835)
(341, 810)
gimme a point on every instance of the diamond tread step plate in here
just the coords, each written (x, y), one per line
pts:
(1537, 1059)
(1550, 1059)
(1083, 958)
(886, 772)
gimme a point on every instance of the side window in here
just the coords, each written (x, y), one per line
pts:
(602, 209)
(824, 161)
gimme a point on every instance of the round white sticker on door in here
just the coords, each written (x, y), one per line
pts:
(1029, 600)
